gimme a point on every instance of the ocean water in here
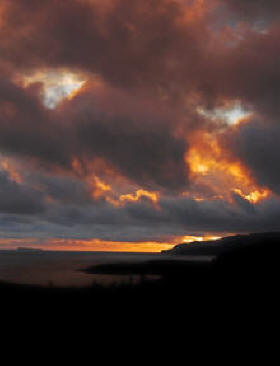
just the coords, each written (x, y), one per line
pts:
(60, 269)
(48, 268)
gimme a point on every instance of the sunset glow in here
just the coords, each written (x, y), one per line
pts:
(209, 164)
(101, 245)
(93, 245)
(190, 239)
(138, 195)
(138, 125)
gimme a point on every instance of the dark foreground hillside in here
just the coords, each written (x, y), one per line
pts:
(267, 243)
(234, 270)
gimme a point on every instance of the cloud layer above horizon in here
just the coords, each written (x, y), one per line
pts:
(139, 121)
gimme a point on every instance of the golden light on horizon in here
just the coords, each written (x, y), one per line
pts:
(190, 239)
(89, 245)
(99, 245)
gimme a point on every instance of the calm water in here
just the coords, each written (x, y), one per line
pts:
(63, 268)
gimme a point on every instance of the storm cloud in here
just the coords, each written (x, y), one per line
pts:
(171, 129)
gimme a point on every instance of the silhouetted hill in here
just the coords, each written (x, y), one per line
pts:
(242, 253)
(232, 255)
(239, 269)
(228, 244)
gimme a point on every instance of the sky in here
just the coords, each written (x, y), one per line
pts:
(136, 125)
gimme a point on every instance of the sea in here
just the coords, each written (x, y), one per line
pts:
(65, 268)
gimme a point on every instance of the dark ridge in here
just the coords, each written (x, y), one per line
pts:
(230, 259)
(239, 243)
(238, 269)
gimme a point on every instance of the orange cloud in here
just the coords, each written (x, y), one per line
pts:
(211, 165)
(10, 168)
(100, 189)
(153, 196)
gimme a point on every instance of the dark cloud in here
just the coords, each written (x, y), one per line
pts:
(26, 128)
(19, 199)
(140, 222)
(255, 9)
(140, 44)
(60, 189)
(158, 63)
(141, 150)
(256, 144)
(145, 151)
(250, 72)
(132, 44)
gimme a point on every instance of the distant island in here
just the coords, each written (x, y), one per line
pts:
(230, 270)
